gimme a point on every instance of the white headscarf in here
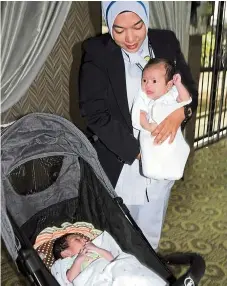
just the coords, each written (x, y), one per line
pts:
(111, 9)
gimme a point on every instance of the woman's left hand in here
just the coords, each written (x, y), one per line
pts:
(169, 126)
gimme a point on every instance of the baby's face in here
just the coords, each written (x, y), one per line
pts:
(76, 244)
(154, 82)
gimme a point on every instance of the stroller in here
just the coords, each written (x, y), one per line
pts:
(50, 175)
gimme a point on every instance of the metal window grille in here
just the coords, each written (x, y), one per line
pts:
(211, 117)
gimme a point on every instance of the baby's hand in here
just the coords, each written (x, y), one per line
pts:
(152, 126)
(177, 79)
(90, 246)
(80, 257)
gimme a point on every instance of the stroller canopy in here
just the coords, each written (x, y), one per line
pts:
(33, 137)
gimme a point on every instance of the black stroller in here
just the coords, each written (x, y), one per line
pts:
(50, 175)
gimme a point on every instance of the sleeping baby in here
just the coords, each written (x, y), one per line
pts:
(80, 253)
(81, 262)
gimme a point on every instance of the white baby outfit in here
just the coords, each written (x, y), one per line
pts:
(165, 161)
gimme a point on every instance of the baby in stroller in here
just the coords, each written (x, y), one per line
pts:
(80, 251)
(82, 262)
(40, 206)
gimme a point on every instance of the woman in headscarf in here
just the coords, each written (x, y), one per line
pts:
(110, 79)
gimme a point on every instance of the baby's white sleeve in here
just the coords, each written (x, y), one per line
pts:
(59, 270)
(175, 94)
(139, 105)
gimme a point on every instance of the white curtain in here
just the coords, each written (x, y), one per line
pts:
(175, 16)
(29, 31)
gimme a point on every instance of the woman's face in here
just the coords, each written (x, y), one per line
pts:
(129, 31)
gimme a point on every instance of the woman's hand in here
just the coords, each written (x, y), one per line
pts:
(169, 126)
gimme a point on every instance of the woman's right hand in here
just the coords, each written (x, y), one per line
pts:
(138, 156)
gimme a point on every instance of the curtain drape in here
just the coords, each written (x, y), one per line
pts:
(175, 16)
(29, 31)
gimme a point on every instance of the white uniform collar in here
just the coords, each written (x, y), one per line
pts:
(139, 56)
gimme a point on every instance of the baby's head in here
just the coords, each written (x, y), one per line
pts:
(157, 77)
(68, 245)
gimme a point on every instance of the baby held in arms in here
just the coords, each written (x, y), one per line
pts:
(162, 92)
(158, 79)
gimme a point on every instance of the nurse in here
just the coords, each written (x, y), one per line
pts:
(109, 82)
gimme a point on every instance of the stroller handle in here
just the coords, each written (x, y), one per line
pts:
(194, 273)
